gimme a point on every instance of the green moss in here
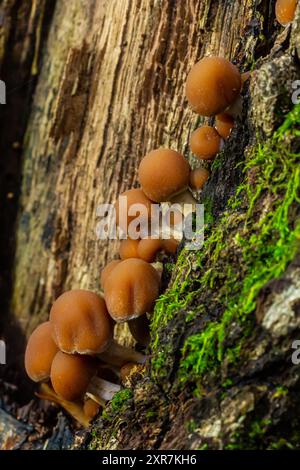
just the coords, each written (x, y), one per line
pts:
(256, 240)
(117, 404)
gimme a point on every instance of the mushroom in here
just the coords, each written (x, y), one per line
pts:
(107, 270)
(198, 178)
(81, 325)
(285, 11)
(224, 124)
(91, 409)
(164, 174)
(130, 292)
(205, 142)
(148, 248)
(129, 249)
(171, 245)
(125, 207)
(212, 85)
(74, 376)
(40, 352)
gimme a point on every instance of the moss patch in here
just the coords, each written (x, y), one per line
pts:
(255, 240)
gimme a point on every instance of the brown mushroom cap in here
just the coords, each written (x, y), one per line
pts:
(131, 289)
(148, 248)
(71, 375)
(285, 11)
(107, 270)
(81, 323)
(212, 85)
(198, 178)
(40, 352)
(129, 249)
(163, 173)
(134, 196)
(205, 142)
(224, 124)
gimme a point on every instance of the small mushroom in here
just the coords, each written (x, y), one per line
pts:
(285, 11)
(130, 292)
(212, 85)
(91, 409)
(171, 245)
(82, 325)
(198, 178)
(73, 377)
(148, 248)
(164, 174)
(124, 207)
(107, 270)
(40, 352)
(129, 249)
(205, 142)
(224, 124)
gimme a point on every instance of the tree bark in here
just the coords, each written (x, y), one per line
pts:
(110, 87)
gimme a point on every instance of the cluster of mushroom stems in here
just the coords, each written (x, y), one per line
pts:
(75, 350)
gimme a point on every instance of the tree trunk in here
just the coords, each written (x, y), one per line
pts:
(110, 87)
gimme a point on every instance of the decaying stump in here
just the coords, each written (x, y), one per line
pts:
(110, 87)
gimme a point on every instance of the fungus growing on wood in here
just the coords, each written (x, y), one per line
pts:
(285, 11)
(171, 245)
(124, 214)
(74, 376)
(130, 292)
(91, 409)
(148, 249)
(131, 289)
(40, 352)
(224, 124)
(198, 178)
(107, 270)
(129, 249)
(82, 325)
(163, 174)
(212, 85)
(205, 142)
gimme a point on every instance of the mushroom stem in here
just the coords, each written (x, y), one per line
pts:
(140, 329)
(118, 355)
(101, 390)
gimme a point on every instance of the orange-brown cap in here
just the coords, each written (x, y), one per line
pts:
(133, 196)
(212, 85)
(205, 142)
(40, 352)
(171, 245)
(131, 289)
(285, 11)
(81, 323)
(163, 173)
(107, 270)
(198, 178)
(148, 248)
(224, 124)
(71, 375)
(129, 249)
